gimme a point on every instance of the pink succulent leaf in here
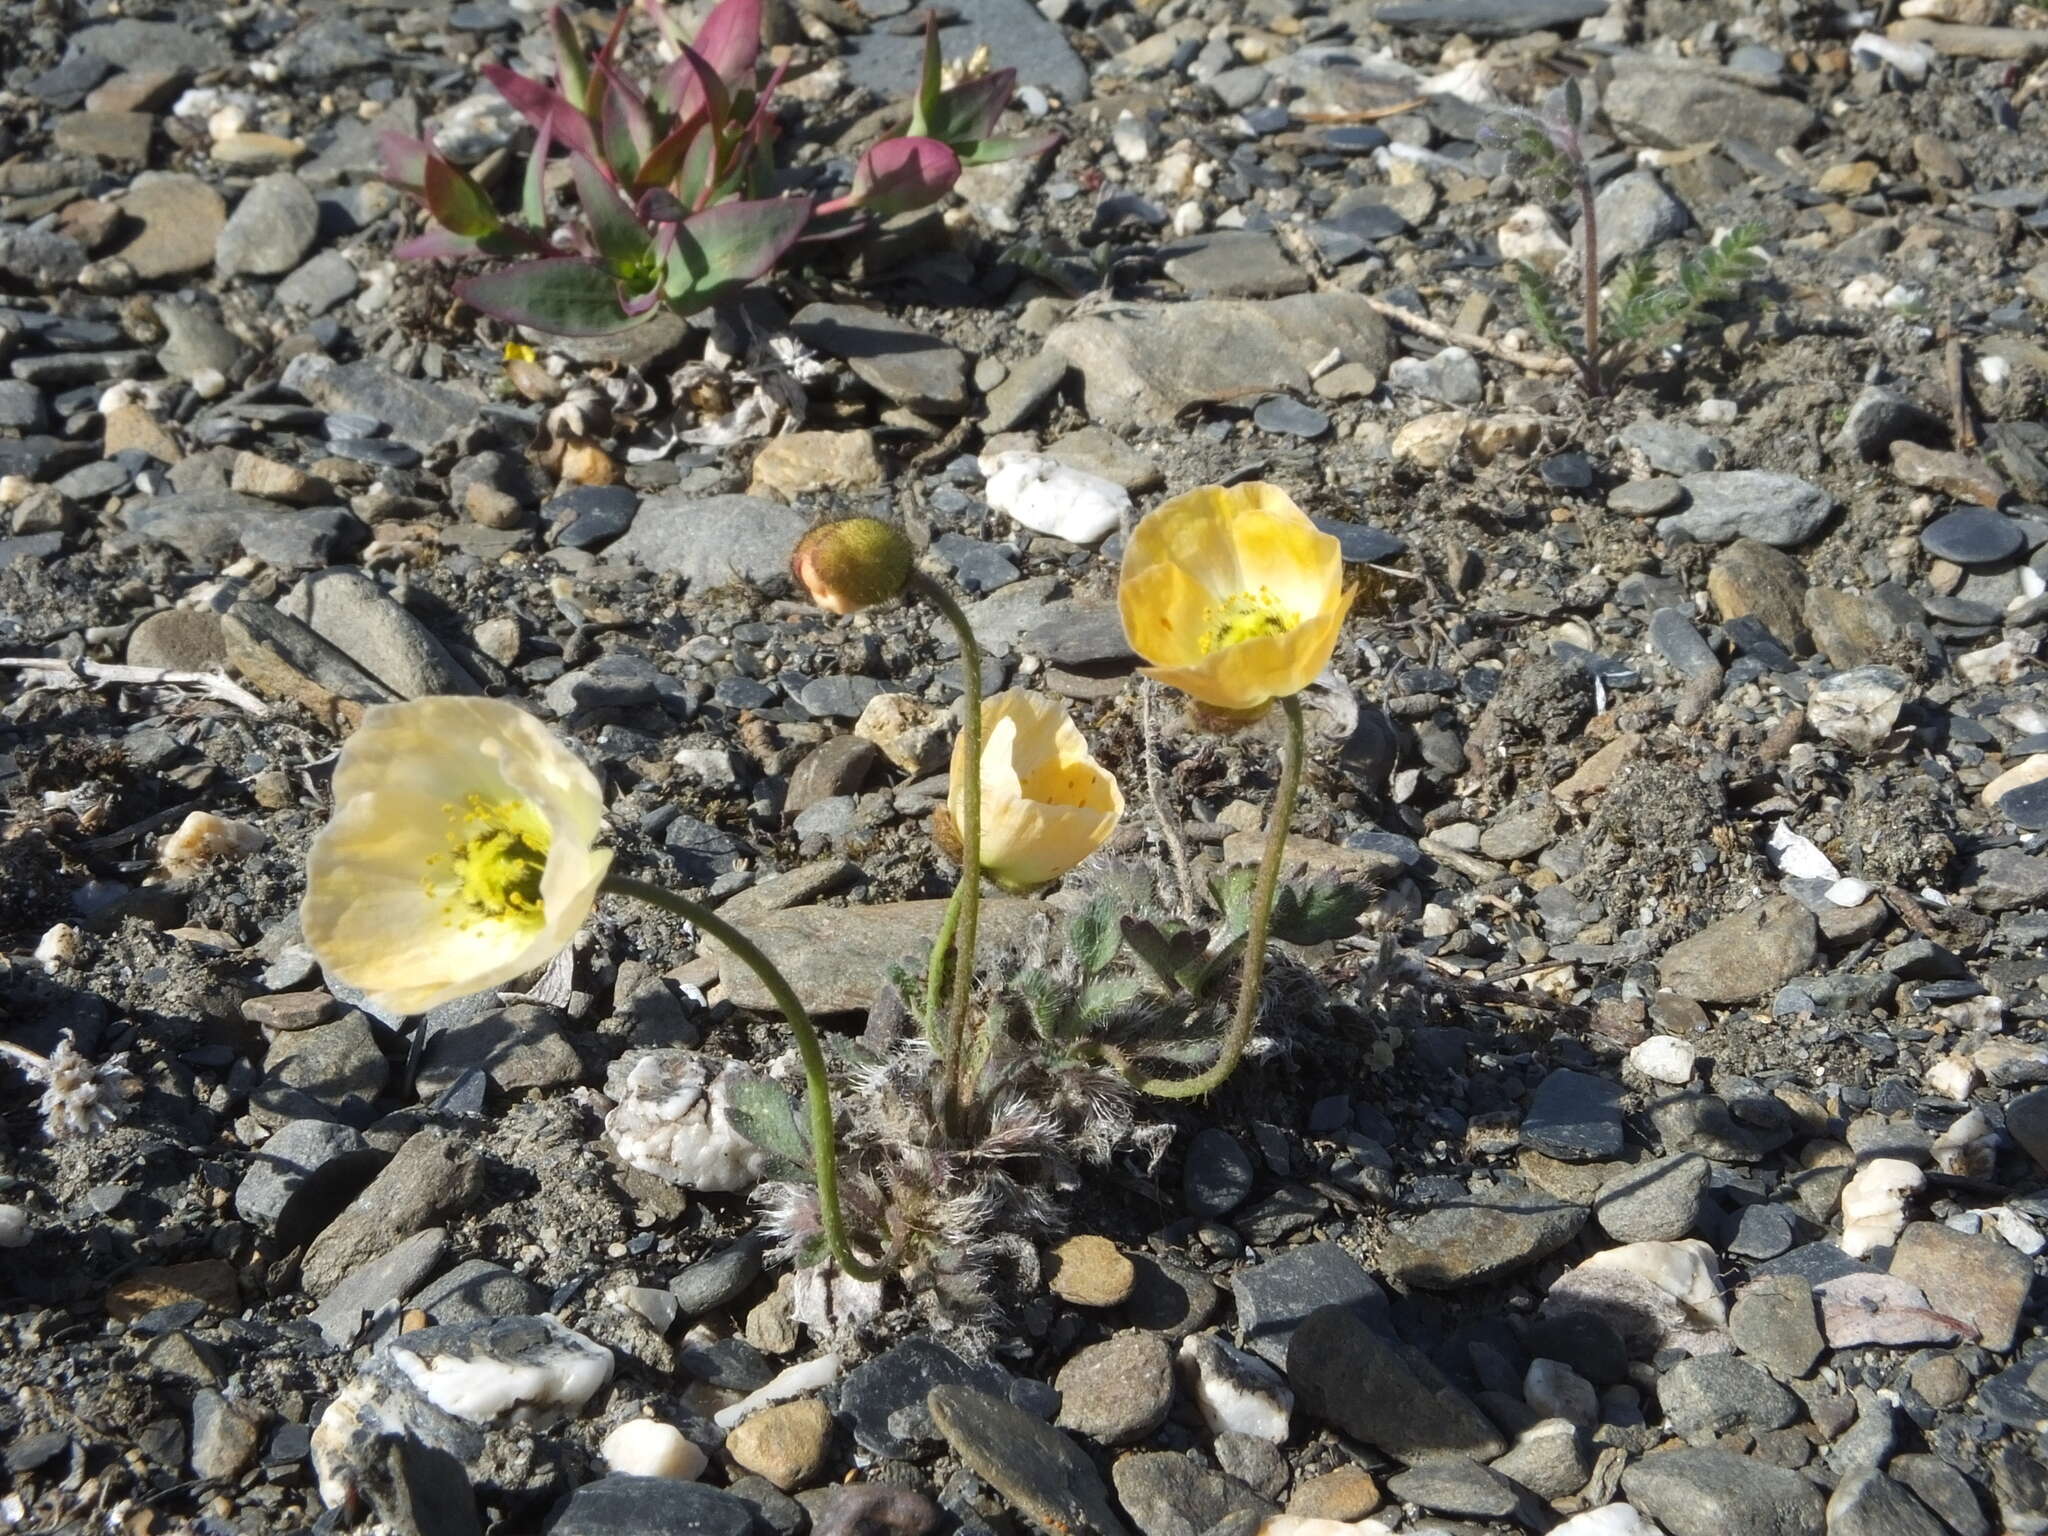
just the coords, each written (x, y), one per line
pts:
(898, 175)
(560, 295)
(698, 90)
(989, 151)
(730, 41)
(405, 161)
(726, 247)
(436, 245)
(621, 240)
(626, 126)
(658, 205)
(639, 304)
(544, 107)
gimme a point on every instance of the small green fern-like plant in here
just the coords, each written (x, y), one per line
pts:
(1639, 312)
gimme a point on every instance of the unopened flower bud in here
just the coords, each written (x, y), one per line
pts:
(853, 564)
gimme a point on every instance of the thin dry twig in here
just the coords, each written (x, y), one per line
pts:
(1958, 394)
(1364, 114)
(80, 674)
(1529, 362)
(1155, 790)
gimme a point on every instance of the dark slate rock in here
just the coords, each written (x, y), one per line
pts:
(1027, 1461)
(1867, 1503)
(1485, 18)
(1217, 1177)
(651, 1506)
(1712, 1394)
(1382, 1393)
(591, 516)
(1486, 1233)
(1574, 1117)
(1275, 1297)
(209, 528)
(1345, 236)
(1289, 417)
(1973, 536)
(715, 1282)
(1363, 544)
(885, 1399)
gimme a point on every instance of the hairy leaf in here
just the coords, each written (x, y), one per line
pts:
(1105, 995)
(1093, 934)
(1169, 951)
(763, 1114)
(1539, 303)
(1317, 913)
(726, 247)
(563, 295)
(1232, 892)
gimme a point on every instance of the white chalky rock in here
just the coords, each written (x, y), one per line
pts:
(58, 947)
(1608, 1520)
(1968, 1149)
(1799, 856)
(1859, 707)
(650, 1448)
(1665, 1059)
(203, 838)
(1312, 1525)
(2017, 1230)
(1557, 1391)
(1874, 1204)
(1531, 234)
(14, 1232)
(1234, 1390)
(1911, 59)
(524, 1370)
(1684, 1271)
(1052, 498)
(797, 1381)
(673, 1119)
(1953, 1077)
(1994, 664)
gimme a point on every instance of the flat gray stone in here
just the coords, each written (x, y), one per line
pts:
(1867, 1503)
(837, 958)
(433, 1176)
(1669, 103)
(383, 1281)
(1382, 1393)
(1485, 18)
(347, 608)
(1491, 1232)
(1710, 1395)
(1275, 1297)
(1017, 37)
(271, 230)
(1698, 1492)
(897, 361)
(713, 541)
(1727, 504)
(619, 1505)
(419, 413)
(1166, 1494)
(1655, 1201)
(1233, 264)
(1143, 364)
(476, 1290)
(1744, 956)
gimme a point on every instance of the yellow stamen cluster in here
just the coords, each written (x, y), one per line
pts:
(1246, 616)
(500, 854)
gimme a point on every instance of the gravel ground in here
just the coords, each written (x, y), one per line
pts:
(1664, 1153)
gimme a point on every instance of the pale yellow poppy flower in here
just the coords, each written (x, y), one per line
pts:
(459, 856)
(1233, 595)
(1046, 804)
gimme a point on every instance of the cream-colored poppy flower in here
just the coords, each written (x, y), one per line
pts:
(459, 856)
(1046, 804)
(1233, 595)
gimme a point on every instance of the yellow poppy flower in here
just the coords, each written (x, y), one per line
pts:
(1233, 595)
(1046, 804)
(459, 856)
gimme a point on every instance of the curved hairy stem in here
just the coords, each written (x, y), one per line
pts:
(967, 895)
(1255, 939)
(824, 1138)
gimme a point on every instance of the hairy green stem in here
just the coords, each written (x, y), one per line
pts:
(968, 893)
(936, 973)
(1589, 230)
(824, 1136)
(1255, 939)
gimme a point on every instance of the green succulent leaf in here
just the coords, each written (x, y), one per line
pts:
(1317, 913)
(572, 64)
(763, 1114)
(546, 108)
(991, 151)
(621, 239)
(726, 247)
(924, 112)
(457, 203)
(562, 295)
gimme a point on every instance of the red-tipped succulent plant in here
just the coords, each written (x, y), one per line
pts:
(671, 178)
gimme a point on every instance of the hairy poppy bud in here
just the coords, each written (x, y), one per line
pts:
(853, 564)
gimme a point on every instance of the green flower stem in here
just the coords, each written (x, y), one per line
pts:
(968, 893)
(824, 1137)
(935, 976)
(1255, 940)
